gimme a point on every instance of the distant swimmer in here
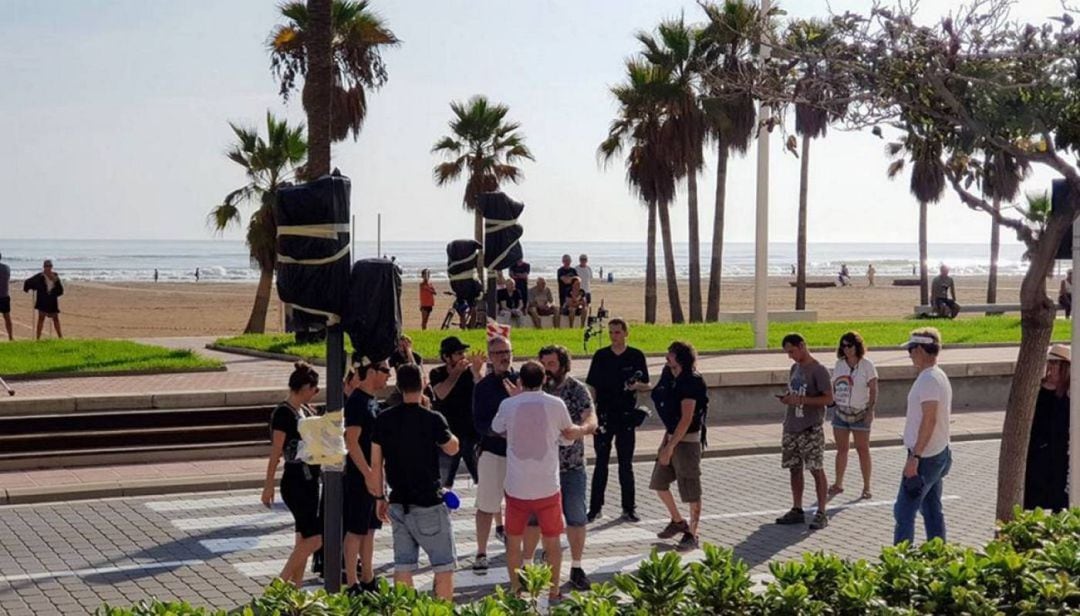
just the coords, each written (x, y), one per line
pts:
(155, 274)
(196, 274)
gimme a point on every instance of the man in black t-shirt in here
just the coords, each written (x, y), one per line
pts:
(452, 393)
(360, 520)
(406, 446)
(616, 374)
(566, 275)
(519, 272)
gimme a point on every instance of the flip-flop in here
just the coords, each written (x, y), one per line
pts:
(833, 490)
(866, 495)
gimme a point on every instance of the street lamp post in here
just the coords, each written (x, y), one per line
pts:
(1074, 386)
(761, 234)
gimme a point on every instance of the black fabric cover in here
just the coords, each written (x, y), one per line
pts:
(319, 288)
(373, 313)
(463, 273)
(502, 245)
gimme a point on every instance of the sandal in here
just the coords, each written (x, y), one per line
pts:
(835, 490)
(866, 495)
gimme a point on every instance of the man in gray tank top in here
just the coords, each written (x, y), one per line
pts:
(5, 297)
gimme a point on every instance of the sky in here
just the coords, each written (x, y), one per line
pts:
(116, 117)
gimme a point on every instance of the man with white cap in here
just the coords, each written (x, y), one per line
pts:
(926, 438)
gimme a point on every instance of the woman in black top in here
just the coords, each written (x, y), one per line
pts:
(47, 290)
(1048, 450)
(299, 481)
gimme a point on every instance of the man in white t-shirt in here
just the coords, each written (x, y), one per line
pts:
(584, 272)
(534, 424)
(926, 437)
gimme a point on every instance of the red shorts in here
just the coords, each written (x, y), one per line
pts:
(548, 512)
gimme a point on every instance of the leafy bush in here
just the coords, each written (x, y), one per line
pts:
(1032, 567)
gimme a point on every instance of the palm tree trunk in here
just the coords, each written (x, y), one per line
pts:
(318, 86)
(669, 266)
(650, 267)
(257, 321)
(924, 282)
(695, 247)
(995, 249)
(712, 312)
(804, 181)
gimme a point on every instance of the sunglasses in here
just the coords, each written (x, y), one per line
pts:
(383, 369)
(847, 345)
(500, 352)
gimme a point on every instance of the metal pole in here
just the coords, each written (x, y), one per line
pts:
(1074, 400)
(332, 477)
(761, 231)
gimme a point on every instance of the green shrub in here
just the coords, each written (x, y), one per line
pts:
(1033, 567)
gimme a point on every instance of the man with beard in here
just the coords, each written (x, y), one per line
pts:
(488, 394)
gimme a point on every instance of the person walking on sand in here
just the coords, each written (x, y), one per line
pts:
(870, 272)
(427, 297)
(5, 297)
(803, 446)
(926, 438)
(155, 275)
(47, 290)
(855, 389)
(1065, 294)
(196, 274)
(299, 481)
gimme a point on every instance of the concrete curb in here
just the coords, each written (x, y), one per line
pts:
(247, 481)
(36, 376)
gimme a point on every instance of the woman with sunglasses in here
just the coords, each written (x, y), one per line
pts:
(299, 481)
(855, 390)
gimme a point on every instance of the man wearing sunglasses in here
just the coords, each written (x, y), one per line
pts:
(360, 520)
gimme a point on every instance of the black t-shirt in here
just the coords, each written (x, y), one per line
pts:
(488, 394)
(520, 273)
(284, 419)
(512, 300)
(410, 437)
(360, 411)
(608, 375)
(398, 358)
(669, 394)
(456, 407)
(564, 288)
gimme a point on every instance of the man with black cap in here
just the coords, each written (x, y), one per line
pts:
(926, 438)
(452, 393)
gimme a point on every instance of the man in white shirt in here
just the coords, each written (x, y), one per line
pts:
(533, 423)
(584, 272)
(926, 437)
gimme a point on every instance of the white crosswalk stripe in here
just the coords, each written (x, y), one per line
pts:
(195, 504)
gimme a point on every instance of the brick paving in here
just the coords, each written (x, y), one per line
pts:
(221, 548)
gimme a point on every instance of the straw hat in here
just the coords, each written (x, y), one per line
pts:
(1060, 352)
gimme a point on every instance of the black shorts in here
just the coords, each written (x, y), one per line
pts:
(301, 496)
(360, 518)
(5, 305)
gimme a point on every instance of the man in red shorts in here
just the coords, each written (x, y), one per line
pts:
(533, 422)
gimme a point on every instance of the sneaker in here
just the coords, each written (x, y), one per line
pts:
(687, 543)
(578, 579)
(355, 590)
(480, 564)
(500, 534)
(795, 516)
(594, 515)
(674, 528)
(373, 586)
(821, 520)
(539, 557)
(630, 516)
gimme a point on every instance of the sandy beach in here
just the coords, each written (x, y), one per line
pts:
(130, 310)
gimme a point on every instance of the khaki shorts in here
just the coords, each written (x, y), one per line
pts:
(804, 449)
(492, 475)
(685, 469)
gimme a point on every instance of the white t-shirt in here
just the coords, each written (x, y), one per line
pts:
(931, 385)
(584, 272)
(533, 422)
(851, 386)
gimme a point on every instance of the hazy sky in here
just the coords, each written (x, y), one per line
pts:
(115, 119)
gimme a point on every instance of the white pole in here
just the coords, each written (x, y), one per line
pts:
(1074, 400)
(378, 235)
(761, 234)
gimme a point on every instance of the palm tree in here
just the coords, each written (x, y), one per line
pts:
(1001, 178)
(678, 51)
(811, 38)
(358, 38)
(485, 147)
(921, 147)
(267, 163)
(730, 112)
(650, 170)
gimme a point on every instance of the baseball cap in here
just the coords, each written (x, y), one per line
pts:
(450, 345)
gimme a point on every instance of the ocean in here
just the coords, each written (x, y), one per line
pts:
(228, 260)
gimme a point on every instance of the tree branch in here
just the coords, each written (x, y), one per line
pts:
(1023, 232)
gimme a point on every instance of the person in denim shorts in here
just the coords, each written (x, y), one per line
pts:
(406, 446)
(855, 389)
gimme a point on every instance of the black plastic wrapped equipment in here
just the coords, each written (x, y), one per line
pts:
(373, 311)
(502, 233)
(461, 258)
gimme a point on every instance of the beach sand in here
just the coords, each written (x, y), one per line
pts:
(130, 310)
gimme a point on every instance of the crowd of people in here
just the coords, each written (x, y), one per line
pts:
(47, 289)
(520, 433)
(516, 300)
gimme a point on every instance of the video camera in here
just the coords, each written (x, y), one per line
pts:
(595, 325)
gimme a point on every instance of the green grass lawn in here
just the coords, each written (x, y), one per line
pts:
(75, 356)
(705, 337)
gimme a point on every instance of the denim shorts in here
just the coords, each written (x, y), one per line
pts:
(422, 527)
(863, 425)
(573, 484)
